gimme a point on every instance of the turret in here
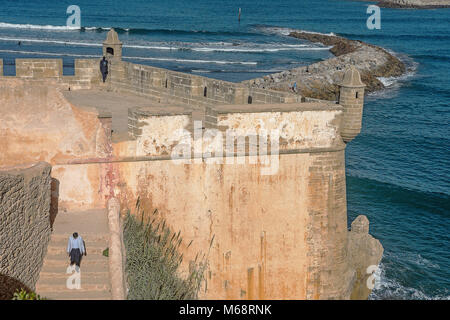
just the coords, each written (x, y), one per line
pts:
(351, 97)
(112, 47)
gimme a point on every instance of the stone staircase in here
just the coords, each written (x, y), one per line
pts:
(92, 226)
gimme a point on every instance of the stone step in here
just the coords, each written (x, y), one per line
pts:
(63, 262)
(78, 295)
(64, 238)
(95, 248)
(62, 268)
(58, 279)
(65, 257)
(92, 225)
(43, 289)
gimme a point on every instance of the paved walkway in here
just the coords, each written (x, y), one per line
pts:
(116, 105)
(92, 225)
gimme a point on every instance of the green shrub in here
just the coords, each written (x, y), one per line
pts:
(153, 261)
(25, 295)
(105, 252)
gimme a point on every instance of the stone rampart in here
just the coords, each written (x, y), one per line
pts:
(25, 198)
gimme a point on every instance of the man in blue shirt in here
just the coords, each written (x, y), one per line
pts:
(75, 249)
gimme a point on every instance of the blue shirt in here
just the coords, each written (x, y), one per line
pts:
(75, 244)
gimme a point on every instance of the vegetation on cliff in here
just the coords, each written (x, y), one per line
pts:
(154, 259)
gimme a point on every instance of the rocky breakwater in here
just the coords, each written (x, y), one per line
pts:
(414, 4)
(319, 80)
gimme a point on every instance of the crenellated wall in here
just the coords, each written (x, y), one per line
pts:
(87, 74)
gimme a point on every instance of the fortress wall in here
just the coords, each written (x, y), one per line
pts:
(281, 236)
(266, 228)
(87, 75)
(258, 222)
(39, 68)
(306, 127)
(176, 87)
(330, 275)
(271, 96)
(25, 198)
(38, 124)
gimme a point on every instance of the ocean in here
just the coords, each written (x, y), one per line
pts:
(398, 168)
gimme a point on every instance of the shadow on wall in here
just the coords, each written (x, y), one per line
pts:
(9, 285)
(54, 201)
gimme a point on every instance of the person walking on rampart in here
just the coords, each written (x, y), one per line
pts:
(104, 68)
(75, 249)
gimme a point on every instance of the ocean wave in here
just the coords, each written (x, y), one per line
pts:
(389, 289)
(183, 46)
(5, 25)
(134, 58)
(266, 71)
(256, 50)
(71, 43)
(386, 35)
(392, 84)
(286, 31)
(435, 199)
(41, 53)
(193, 61)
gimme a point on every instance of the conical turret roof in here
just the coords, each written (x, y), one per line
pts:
(112, 37)
(352, 78)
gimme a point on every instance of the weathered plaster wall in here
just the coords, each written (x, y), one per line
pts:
(38, 124)
(282, 236)
(268, 230)
(258, 222)
(25, 197)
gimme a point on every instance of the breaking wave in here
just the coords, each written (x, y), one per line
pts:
(133, 58)
(286, 31)
(393, 83)
(6, 25)
(185, 46)
(390, 289)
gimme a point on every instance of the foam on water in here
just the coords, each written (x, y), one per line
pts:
(390, 289)
(5, 25)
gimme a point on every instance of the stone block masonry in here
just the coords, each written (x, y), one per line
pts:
(25, 198)
(39, 68)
